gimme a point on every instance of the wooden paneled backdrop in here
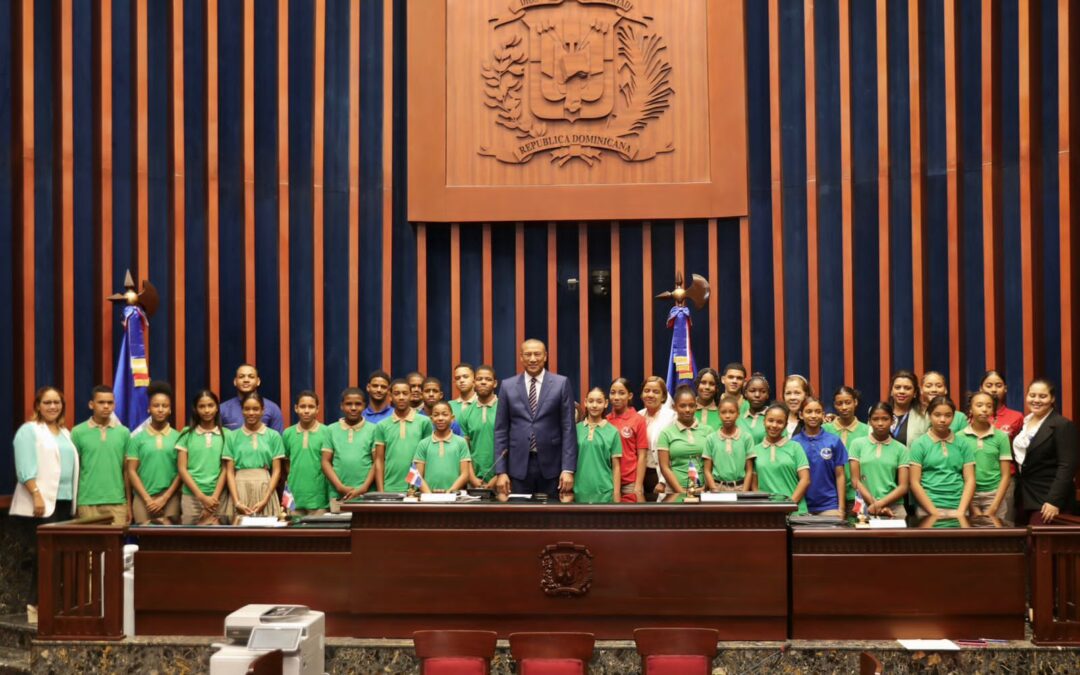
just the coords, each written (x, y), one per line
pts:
(912, 193)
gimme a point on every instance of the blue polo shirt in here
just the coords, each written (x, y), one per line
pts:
(455, 428)
(826, 452)
(376, 417)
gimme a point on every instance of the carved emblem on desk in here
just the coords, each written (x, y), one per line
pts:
(567, 570)
(576, 78)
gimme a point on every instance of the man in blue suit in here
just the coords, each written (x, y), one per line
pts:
(535, 439)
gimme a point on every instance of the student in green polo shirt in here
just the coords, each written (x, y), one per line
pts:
(780, 464)
(443, 457)
(101, 442)
(934, 385)
(205, 498)
(304, 443)
(253, 458)
(733, 376)
(993, 458)
(151, 465)
(465, 382)
(396, 439)
(880, 465)
(848, 428)
(682, 444)
(756, 394)
(599, 473)
(942, 465)
(728, 466)
(478, 424)
(347, 460)
(707, 387)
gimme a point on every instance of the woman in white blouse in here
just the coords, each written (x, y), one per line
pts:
(658, 415)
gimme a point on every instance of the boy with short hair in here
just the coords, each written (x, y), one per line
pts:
(416, 387)
(478, 423)
(396, 440)
(378, 395)
(304, 443)
(465, 382)
(101, 442)
(432, 393)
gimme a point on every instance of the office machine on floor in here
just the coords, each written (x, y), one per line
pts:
(253, 630)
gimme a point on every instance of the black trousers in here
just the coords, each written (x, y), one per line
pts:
(61, 512)
(534, 481)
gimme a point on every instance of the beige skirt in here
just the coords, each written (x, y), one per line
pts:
(251, 487)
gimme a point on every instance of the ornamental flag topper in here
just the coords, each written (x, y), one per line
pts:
(132, 366)
(681, 366)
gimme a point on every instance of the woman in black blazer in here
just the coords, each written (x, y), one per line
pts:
(1046, 449)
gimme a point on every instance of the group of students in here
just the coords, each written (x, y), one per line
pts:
(724, 433)
(915, 450)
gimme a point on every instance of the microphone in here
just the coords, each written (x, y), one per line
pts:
(491, 472)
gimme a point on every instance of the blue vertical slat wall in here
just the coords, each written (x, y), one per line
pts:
(760, 184)
(336, 240)
(231, 252)
(866, 292)
(268, 300)
(46, 180)
(301, 259)
(729, 294)
(9, 284)
(969, 149)
(195, 199)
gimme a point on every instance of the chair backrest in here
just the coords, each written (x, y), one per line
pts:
(869, 664)
(454, 651)
(542, 653)
(270, 663)
(676, 650)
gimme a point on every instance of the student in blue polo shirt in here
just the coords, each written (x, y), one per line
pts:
(827, 456)
(378, 395)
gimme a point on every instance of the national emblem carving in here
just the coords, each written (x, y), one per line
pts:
(576, 79)
(567, 570)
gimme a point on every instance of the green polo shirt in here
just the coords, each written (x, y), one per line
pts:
(596, 446)
(253, 449)
(942, 465)
(156, 452)
(777, 468)
(478, 425)
(709, 417)
(306, 481)
(459, 408)
(442, 460)
(879, 463)
(959, 422)
(684, 445)
(101, 462)
(847, 437)
(753, 425)
(400, 437)
(351, 448)
(729, 454)
(990, 449)
(204, 449)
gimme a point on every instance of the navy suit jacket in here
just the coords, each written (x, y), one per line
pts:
(553, 425)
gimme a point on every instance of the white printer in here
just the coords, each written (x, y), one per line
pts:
(253, 630)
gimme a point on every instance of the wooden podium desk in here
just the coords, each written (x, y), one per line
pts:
(911, 583)
(601, 568)
(188, 579)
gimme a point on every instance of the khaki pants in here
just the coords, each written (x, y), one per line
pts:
(945, 513)
(170, 515)
(723, 486)
(828, 512)
(983, 500)
(193, 513)
(118, 512)
(309, 512)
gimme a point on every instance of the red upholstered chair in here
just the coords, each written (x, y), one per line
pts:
(552, 653)
(454, 652)
(676, 651)
(869, 664)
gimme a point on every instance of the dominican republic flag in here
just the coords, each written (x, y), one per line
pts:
(132, 370)
(287, 499)
(414, 479)
(681, 367)
(692, 474)
(860, 505)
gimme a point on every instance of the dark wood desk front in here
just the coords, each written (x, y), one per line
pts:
(913, 583)
(604, 569)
